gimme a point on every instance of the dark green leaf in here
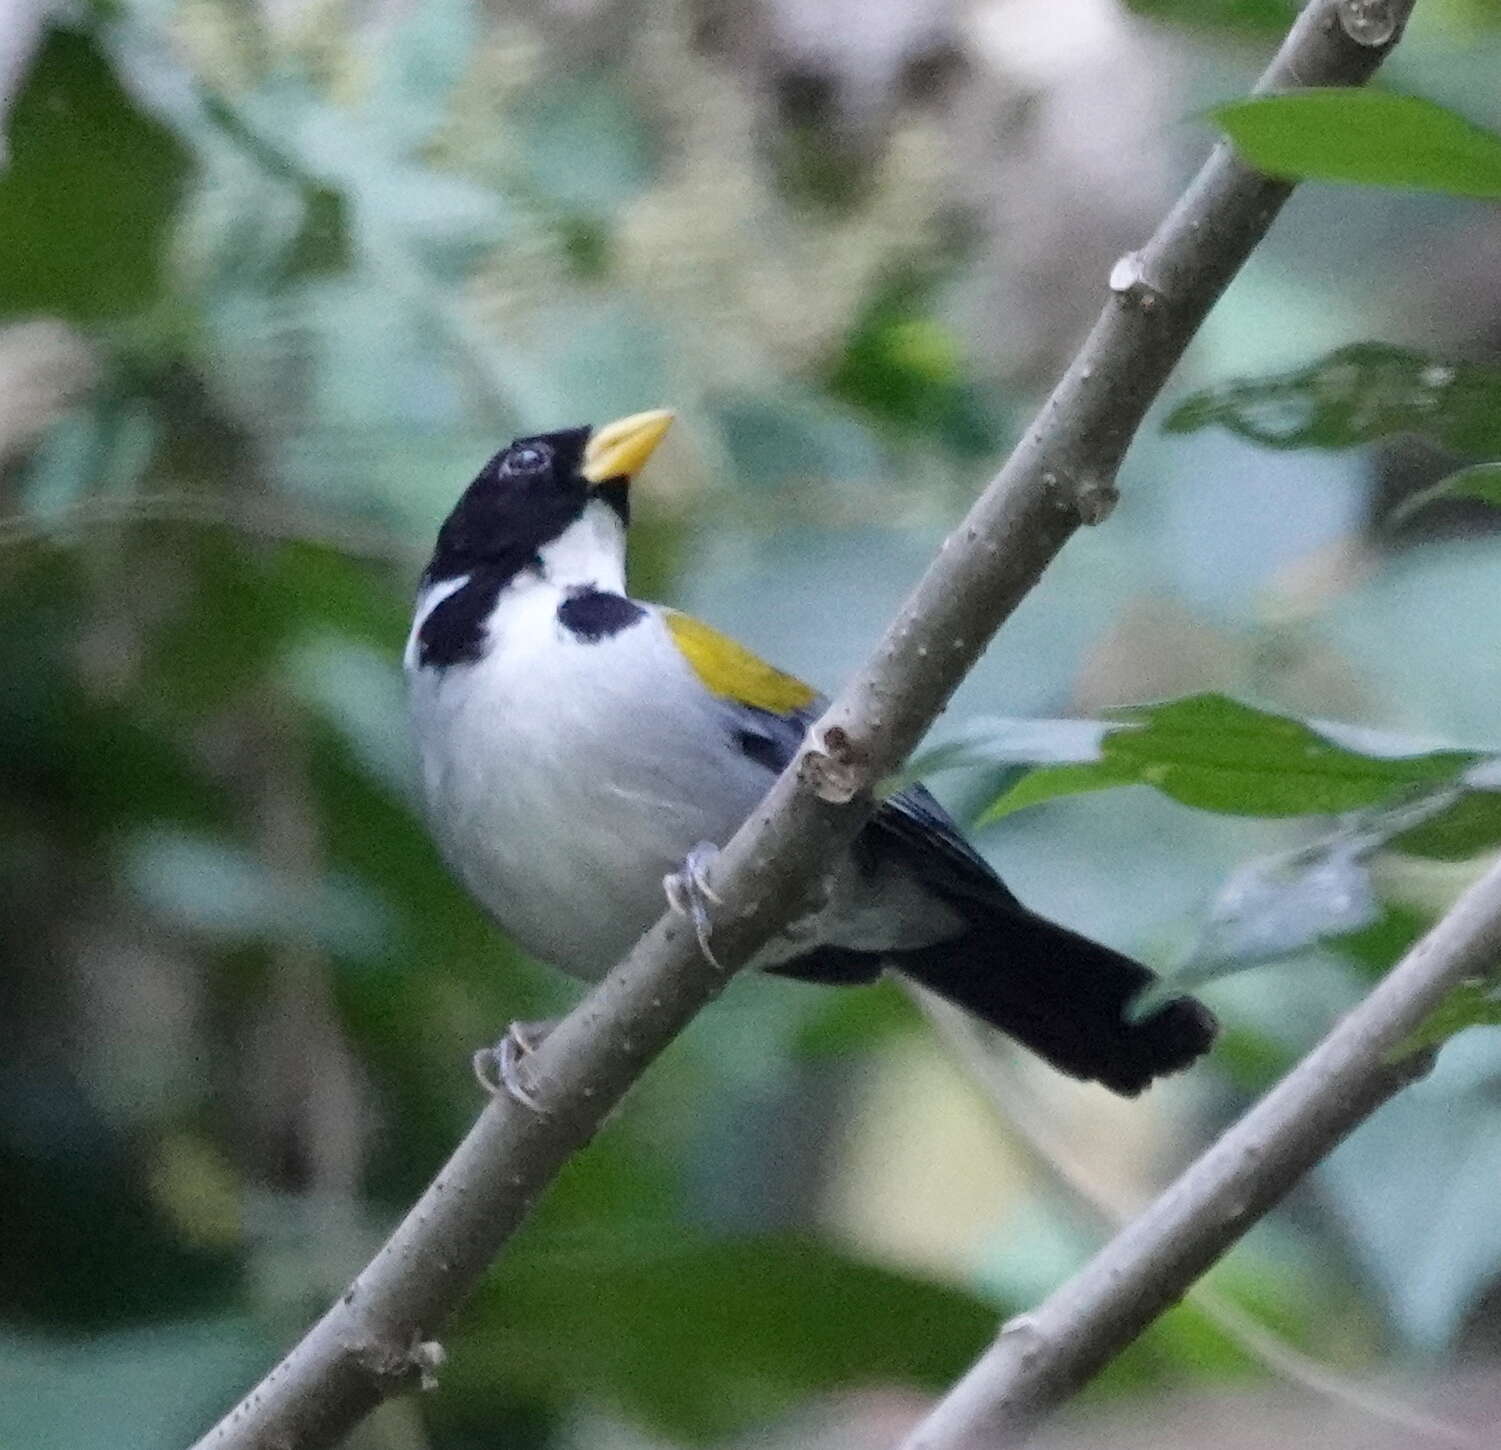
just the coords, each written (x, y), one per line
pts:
(1481, 482)
(322, 246)
(1253, 17)
(1376, 947)
(849, 1022)
(1216, 754)
(1356, 395)
(88, 192)
(1467, 828)
(1370, 138)
(698, 1340)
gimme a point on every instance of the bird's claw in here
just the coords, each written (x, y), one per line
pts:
(498, 1068)
(689, 894)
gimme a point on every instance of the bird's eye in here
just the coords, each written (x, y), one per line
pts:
(527, 458)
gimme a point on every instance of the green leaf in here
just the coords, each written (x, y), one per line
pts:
(1481, 482)
(1471, 1004)
(1356, 395)
(89, 190)
(1365, 137)
(1376, 948)
(1216, 754)
(1049, 782)
(1462, 831)
(700, 1339)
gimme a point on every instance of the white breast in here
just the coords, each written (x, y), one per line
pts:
(564, 779)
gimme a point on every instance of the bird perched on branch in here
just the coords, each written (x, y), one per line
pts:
(582, 749)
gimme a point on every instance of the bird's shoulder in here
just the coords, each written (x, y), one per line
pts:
(729, 671)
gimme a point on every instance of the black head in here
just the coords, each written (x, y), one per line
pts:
(526, 495)
(535, 488)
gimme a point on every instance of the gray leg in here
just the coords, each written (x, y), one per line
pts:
(498, 1067)
(689, 894)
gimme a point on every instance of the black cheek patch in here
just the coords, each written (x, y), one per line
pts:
(591, 615)
(454, 631)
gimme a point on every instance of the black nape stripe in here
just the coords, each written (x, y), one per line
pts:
(592, 614)
(454, 631)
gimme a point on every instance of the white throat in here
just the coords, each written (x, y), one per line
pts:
(589, 553)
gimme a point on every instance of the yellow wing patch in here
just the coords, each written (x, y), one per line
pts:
(731, 671)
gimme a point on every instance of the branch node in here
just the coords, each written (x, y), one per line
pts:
(834, 768)
(1368, 22)
(1128, 280)
(1023, 1335)
(395, 1370)
(1089, 495)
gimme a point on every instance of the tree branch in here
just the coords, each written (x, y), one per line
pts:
(1040, 1358)
(374, 1341)
(1027, 1120)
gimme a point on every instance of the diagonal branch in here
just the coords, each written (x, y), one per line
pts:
(1026, 1119)
(375, 1340)
(1042, 1357)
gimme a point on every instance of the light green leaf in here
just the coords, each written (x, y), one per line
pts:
(1365, 137)
(1471, 1004)
(1353, 396)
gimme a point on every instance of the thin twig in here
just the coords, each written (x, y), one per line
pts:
(377, 1339)
(1042, 1357)
(1014, 1103)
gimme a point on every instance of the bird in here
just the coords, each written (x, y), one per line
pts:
(580, 750)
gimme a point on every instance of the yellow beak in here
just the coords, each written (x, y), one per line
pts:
(619, 449)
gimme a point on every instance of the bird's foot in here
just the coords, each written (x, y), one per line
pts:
(498, 1068)
(689, 894)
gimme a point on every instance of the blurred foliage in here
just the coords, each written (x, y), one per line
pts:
(702, 1339)
(271, 287)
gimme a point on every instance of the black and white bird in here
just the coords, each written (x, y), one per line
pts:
(578, 745)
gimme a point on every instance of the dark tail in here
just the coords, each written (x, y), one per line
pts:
(1065, 997)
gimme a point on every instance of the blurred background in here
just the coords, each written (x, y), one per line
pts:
(276, 277)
